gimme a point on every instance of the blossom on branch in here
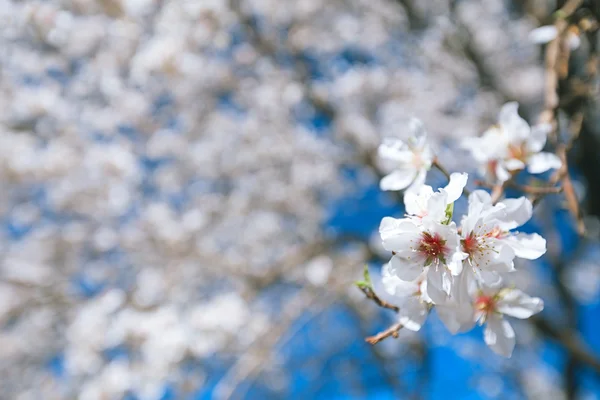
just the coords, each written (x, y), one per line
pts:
(410, 159)
(459, 270)
(511, 146)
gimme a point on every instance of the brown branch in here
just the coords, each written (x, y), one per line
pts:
(539, 190)
(391, 331)
(381, 303)
(570, 196)
(570, 341)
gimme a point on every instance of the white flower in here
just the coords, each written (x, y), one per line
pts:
(456, 312)
(411, 159)
(543, 34)
(547, 33)
(410, 297)
(426, 203)
(491, 306)
(486, 236)
(512, 145)
(429, 247)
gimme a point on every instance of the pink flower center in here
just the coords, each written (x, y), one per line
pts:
(470, 244)
(485, 304)
(417, 160)
(517, 151)
(432, 247)
(496, 233)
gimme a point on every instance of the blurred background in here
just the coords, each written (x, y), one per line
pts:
(189, 189)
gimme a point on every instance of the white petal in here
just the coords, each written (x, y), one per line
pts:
(399, 179)
(512, 164)
(513, 126)
(415, 203)
(499, 335)
(529, 246)
(405, 269)
(419, 181)
(543, 34)
(455, 186)
(537, 140)
(435, 285)
(396, 286)
(519, 305)
(516, 212)
(397, 234)
(573, 40)
(436, 206)
(455, 263)
(456, 317)
(489, 278)
(501, 259)
(413, 314)
(542, 162)
(501, 173)
(395, 150)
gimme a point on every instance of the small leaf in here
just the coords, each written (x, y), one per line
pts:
(366, 283)
(366, 274)
(362, 285)
(449, 213)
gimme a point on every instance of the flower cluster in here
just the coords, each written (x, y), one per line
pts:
(460, 269)
(511, 146)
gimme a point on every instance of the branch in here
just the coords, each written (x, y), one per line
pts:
(570, 341)
(391, 331)
(381, 303)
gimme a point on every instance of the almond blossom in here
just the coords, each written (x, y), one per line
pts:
(410, 297)
(426, 203)
(459, 270)
(430, 247)
(491, 305)
(511, 146)
(487, 239)
(410, 159)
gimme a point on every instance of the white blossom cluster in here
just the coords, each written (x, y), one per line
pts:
(160, 168)
(458, 269)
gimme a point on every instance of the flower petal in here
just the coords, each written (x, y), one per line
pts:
(399, 179)
(516, 212)
(415, 202)
(397, 234)
(455, 186)
(499, 335)
(396, 150)
(513, 126)
(542, 162)
(419, 180)
(456, 317)
(537, 140)
(501, 173)
(396, 286)
(512, 164)
(543, 34)
(528, 246)
(413, 314)
(405, 269)
(437, 285)
(517, 304)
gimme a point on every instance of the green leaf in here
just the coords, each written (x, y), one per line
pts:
(449, 212)
(366, 283)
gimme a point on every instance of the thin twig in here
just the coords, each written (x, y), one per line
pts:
(391, 331)
(381, 303)
(539, 190)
